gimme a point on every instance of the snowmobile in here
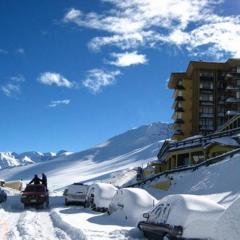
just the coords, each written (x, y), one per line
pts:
(35, 195)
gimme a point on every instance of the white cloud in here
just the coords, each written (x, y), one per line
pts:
(17, 78)
(71, 15)
(59, 102)
(192, 24)
(20, 51)
(11, 90)
(128, 58)
(98, 78)
(53, 78)
(3, 51)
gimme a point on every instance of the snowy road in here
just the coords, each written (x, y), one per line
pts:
(17, 223)
(58, 222)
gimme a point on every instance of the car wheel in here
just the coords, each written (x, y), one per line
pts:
(66, 202)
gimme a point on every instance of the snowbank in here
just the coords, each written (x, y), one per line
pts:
(103, 194)
(196, 214)
(73, 232)
(131, 203)
(228, 225)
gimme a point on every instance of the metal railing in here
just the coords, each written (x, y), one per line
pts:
(188, 168)
(200, 140)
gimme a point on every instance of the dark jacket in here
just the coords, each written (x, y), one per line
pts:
(36, 180)
(44, 180)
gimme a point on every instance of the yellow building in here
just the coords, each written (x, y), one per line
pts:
(193, 151)
(205, 97)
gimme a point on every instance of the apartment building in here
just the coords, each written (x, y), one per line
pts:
(205, 97)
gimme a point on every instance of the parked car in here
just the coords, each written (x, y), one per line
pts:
(3, 196)
(2, 182)
(76, 193)
(99, 196)
(131, 203)
(181, 216)
(35, 195)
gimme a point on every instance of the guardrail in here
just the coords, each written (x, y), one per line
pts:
(200, 140)
(193, 167)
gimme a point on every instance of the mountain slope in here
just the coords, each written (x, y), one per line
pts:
(12, 159)
(132, 148)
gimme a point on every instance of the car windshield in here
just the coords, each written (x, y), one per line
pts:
(35, 188)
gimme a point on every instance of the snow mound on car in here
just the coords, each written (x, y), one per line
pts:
(131, 203)
(228, 227)
(196, 214)
(103, 194)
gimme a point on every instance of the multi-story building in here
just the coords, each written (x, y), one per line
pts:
(205, 97)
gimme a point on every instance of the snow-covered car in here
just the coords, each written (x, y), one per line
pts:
(100, 195)
(181, 216)
(131, 203)
(3, 196)
(76, 193)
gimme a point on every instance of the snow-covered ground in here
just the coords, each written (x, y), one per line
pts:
(133, 148)
(114, 161)
(59, 222)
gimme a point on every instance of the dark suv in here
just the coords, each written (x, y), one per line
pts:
(35, 195)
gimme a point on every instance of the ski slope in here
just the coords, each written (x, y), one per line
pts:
(133, 148)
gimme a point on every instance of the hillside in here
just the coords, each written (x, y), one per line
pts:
(127, 150)
(13, 159)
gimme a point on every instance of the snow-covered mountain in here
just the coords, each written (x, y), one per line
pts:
(12, 159)
(130, 149)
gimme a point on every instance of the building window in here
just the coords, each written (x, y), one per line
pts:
(206, 85)
(206, 109)
(238, 95)
(238, 69)
(206, 123)
(206, 74)
(206, 97)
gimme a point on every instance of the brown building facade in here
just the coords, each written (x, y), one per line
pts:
(205, 97)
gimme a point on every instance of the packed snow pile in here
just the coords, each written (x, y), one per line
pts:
(103, 194)
(128, 150)
(219, 182)
(196, 214)
(131, 203)
(12, 159)
(228, 226)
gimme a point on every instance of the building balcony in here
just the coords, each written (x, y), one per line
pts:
(232, 100)
(179, 121)
(179, 109)
(179, 98)
(232, 113)
(232, 88)
(178, 132)
(180, 87)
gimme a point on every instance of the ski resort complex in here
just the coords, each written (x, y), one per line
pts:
(144, 98)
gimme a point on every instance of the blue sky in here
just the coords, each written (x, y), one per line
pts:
(74, 73)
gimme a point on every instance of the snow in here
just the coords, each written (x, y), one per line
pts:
(12, 159)
(131, 203)
(128, 150)
(196, 214)
(115, 161)
(226, 141)
(227, 226)
(103, 194)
